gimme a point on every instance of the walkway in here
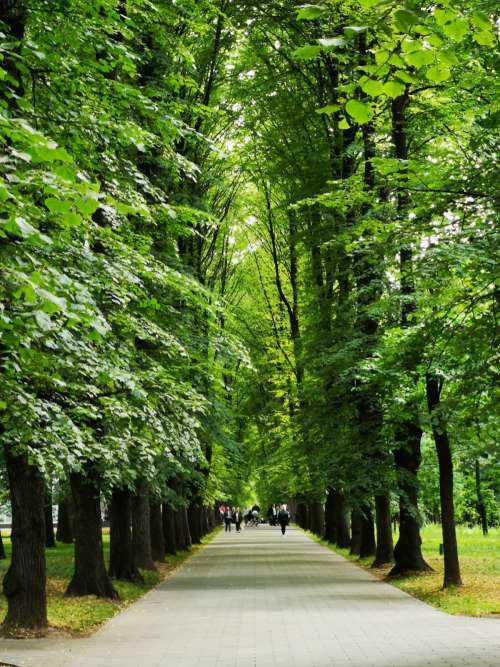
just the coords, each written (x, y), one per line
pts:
(262, 600)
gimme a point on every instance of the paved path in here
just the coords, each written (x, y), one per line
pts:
(259, 599)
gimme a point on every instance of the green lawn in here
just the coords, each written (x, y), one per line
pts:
(480, 566)
(84, 614)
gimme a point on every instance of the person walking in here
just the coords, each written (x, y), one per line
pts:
(283, 518)
(274, 511)
(228, 519)
(237, 519)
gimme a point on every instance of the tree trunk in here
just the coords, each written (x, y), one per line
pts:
(141, 529)
(355, 533)
(367, 546)
(2, 548)
(90, 577)
(50, 541)
(121, 556)
(24, 582)
(481, 508)
(169, 529)
(407, 457)
(156, 532)
(341, 521)
(385, 547)
(316, 513)
(64, 531)
(303, 515)
(194, 521)
(205, 521)
(330, 518)
(185, 527)
(451, 563)
(408, 550)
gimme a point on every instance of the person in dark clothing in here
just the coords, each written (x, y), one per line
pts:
(228, 518)
(272, 515)
(283, 518)
(237, 519)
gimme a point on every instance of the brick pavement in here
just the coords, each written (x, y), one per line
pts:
(258, 599)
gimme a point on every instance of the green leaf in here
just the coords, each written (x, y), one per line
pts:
(394, 89)
(404, 76)
(43, 320)
(438, 73)
(20, 227)
(404, 19)
(360, 111)
(449, 57)
(58, 205)
(456, 29)
(51, 302)
(27, 292)
(444, 16)
(419, 58)
(396, 60)
(481, 20)
(66, 173)
(307, 52)
(343, 124)
(485, 38)
(72, 219)
(4, 193)
(87, 206)
(310, 12)
(368, 4)
(372, 87)
(328, 109)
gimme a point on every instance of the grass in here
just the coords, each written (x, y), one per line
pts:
(480, 568)
(83, 615)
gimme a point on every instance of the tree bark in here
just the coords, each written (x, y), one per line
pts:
(302, 516)
(185, 528)
(24, 582)
(121, 556)
(90, 576)
(481, 508)
(367, 546)
(316, 513)
(342, 522)
(385, 547)
(156, 532)
(451, 563)
(64, 531)
(50, 541)
(141, 529)
(355, 533)
(169, 529)
(2, 548)
(407, 456)
(194, 521)
(330, 518)
(408, 550)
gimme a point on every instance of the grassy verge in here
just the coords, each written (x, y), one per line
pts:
(83, 615)
(480, 565)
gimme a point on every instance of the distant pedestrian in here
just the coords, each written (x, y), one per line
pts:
(283, 518)
(274, 513)
(237, 519)
(228, 518)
